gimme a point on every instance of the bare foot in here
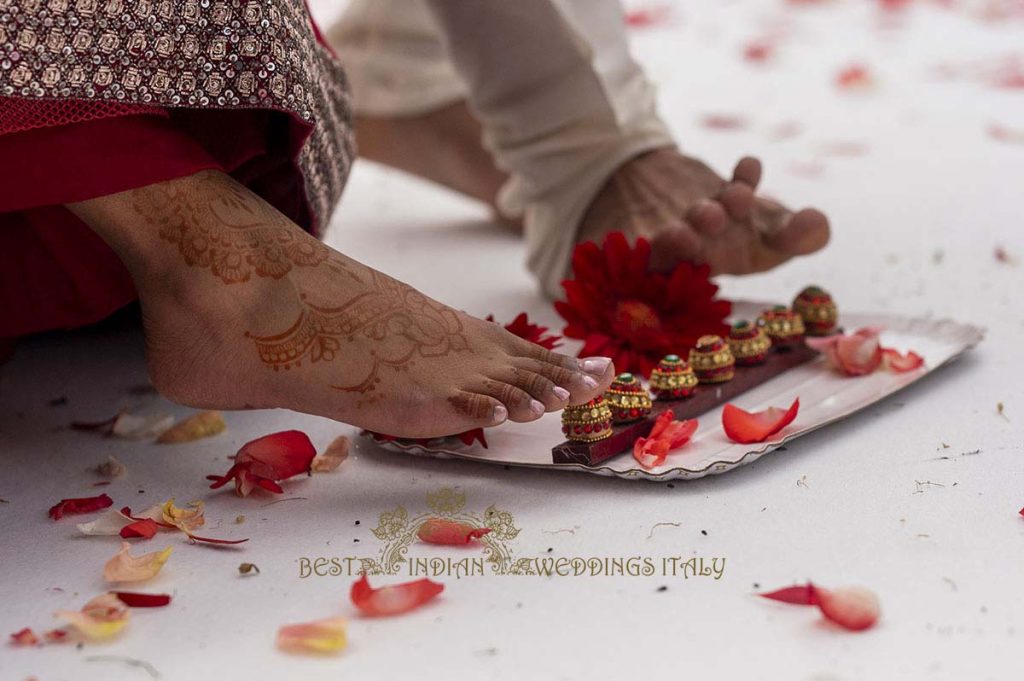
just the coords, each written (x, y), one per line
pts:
(243, 309)
(690, 213)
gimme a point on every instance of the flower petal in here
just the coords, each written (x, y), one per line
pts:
(666, 435)
(899, 363)
(321, 636)
(470, 436)
(139, 529)
(333, 456)
(449, 532)
(24, 637)
(107, 524)
(853, 608)
(394, 599)
(185, 519)
(102, 617)
(124, 567)
(203, 424)
(134, 427)
(747, 427)
(140, 600)
(80, 505)
(266, 460)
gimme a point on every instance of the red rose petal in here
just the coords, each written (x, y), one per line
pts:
(145, 529)
(747, 427)
(24, 637)
(449, 532)
(853, 608)
(266, 460)
(855, 354)
(900, 363)
(80, 505)
(140, 600)
(395, 599)
(471, 436)
(666, 435)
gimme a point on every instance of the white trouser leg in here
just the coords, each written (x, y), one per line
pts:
(561, 101)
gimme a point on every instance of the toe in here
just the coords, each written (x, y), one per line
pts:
(470, 409)
(738, 200)
(520, 405)
(747, 171)
(564, 386)
(540, 388)
(707, 217)
(673, 245)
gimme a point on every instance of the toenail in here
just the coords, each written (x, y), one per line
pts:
(596, 365)
(500, 414)
(561, 393)
(537, 408)
(589, 382)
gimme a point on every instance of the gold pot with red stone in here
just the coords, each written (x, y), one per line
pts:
(817, 310)
(627, 399)
(782, 325)
(673, 378)
(749, 343)
(588, 422)
(712, 360)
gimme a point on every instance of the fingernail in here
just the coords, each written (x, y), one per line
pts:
(537, 408)
(595, 365)
(560, 392)
(500, 414)
(589, 382)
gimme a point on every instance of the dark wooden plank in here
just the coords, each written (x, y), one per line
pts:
(705, 398)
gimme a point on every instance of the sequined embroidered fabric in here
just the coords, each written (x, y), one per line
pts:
(228, 54)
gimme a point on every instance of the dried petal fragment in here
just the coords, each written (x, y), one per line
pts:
(195, 427)
(333, 456)
(321, 636)
(185, 519)
(666, 435)
(80, 505)
(449, 532)
(395, 599)
(266, 460)
(100, 618)
(139, 529)
(111, 468)
(24, 637)
(853, 608)
(748, 427)
(140, 600)
(124, 567)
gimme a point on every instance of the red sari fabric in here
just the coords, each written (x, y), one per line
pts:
(55, 273)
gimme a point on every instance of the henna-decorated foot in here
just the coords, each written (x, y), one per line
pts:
(242, 309)
(689, 212)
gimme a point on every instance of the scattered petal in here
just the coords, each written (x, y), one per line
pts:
(107, 524)
(124, 567)
(719, 121)
(102, 617)
(185, 519)
(1003, 256)
(855, 77)
(748, 427)
(133, 427)
(667, 434)
(246, 568)
(195, 427)
(24, 637)
(267, 460)
(853, 608)
(111, 468)
(899, 363)
(854, 354)
(1004, 133)
(449, 532)
(470, 436)
(648, 17)
(139, 529)
(759, 51)
(134, 599)
(394, 599)
(333, 456)
(81, 505)
(322, 636)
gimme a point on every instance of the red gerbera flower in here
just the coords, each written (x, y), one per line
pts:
(622, 310)
(535, 333)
